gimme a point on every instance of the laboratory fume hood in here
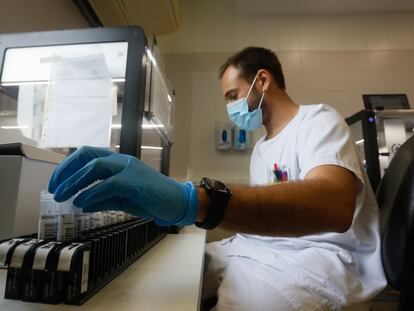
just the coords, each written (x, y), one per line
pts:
(103, 87)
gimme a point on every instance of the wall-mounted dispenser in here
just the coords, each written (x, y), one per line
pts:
(224, 136)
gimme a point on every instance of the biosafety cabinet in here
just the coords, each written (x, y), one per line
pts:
(378, 134)
(103, 87)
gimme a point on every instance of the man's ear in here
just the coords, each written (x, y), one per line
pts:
(264, 78)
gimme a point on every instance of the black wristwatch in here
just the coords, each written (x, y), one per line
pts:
(220, 196)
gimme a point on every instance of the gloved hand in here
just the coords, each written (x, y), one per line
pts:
(127, 184)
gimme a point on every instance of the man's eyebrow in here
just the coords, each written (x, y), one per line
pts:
(229, 91)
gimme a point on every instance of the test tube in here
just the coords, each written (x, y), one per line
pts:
(86, 221)
(48, 217)
(78, 221)
(120, 216)
(66, 221)
(97, 219)
(112, 217)
(106, 218)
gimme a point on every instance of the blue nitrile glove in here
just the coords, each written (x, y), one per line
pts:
(128, 184)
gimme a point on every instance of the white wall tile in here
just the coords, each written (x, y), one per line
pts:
(376, 22)
(399, 22)
(404, 80)
(176, 43)
(288, 41)
(401, 39)
(379, 60)
(265, 24)
(322, 81)
(293, 79)
(245, 40)
(309, 24)
(382, 82)
(402, 60)
(287, 24)
(321, 60)
(217, 25)
(331, 22)
(377, 40)
(310, 41)
(354, 60)
(354, 40)
(267, 40)
(245, 25)
(332, 41)
(345, 102)
(213, 43)
(352, 22)
(356, 80)
(290, 60)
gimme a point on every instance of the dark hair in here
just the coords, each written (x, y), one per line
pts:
(251, 59)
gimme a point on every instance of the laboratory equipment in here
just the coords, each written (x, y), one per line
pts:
(73, 271)
(63, 221)
(378, 134)
(48, 217)
(98, 86)
(105, 87)
(385, 101)
(63, 89)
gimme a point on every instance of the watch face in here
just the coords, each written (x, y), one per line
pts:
(216, 186)
(206, 182)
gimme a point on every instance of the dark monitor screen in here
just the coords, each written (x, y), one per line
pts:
(386, 101)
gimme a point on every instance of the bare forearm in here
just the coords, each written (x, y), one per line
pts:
(287, 209)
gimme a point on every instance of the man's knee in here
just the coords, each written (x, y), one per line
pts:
(249, 285)
(241, 289)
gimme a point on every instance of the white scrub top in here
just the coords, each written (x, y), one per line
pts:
(341, 268)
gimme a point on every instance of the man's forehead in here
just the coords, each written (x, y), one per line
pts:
(231, 81)
(232, 73)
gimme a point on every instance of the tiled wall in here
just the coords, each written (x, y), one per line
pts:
(202, 32)
(326, 58)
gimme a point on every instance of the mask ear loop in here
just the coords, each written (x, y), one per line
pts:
(261, 100)
(251, 86)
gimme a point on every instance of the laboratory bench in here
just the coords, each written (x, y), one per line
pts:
(167, 277)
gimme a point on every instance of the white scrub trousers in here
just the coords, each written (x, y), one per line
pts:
(241, 283)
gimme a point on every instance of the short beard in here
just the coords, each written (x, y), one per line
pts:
(254, 99)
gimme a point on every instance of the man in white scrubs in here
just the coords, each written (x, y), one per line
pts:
(310, 221)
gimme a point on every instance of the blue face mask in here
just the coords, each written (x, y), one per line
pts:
(240, 115)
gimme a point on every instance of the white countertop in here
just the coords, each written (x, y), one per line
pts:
(167, 277)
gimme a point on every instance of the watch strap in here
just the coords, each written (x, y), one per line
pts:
(216, 209)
